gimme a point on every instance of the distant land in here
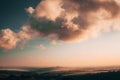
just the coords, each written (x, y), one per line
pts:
(60, 73)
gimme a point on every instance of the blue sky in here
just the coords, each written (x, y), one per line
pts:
(13, 14)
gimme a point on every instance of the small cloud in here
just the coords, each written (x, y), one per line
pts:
(30, 10)
(53, 42)
(41, 46)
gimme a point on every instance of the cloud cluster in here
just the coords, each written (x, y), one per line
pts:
(67, 20)
(75, 20)
(9, 39)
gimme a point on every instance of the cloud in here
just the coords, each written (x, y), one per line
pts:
(49, 9)
(41, 46)
(26, 33)
(68, 20)
(30, 10)
(8, 39)
(53, 42)
(76, 23)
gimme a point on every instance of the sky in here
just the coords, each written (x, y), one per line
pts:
(68, 33)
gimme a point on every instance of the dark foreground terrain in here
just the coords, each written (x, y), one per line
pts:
(56, 74)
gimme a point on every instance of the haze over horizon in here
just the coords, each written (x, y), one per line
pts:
(67, 33)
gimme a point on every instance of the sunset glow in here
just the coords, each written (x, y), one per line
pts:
(68, 33)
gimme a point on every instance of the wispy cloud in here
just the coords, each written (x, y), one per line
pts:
(53, 42)
(41, 46)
